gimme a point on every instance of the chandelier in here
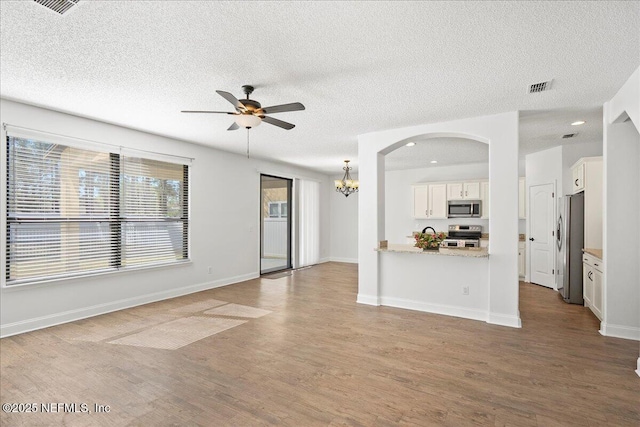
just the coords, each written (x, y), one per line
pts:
(347, 185)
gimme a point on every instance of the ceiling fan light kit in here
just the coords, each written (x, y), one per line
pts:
(247, 121)
(347, 185)
(249, 112)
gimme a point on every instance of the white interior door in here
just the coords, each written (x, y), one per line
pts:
(541, 234)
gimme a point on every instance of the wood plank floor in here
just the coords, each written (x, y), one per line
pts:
(321, 359)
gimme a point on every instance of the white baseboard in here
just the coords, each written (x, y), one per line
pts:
(505, 320)
(448, 310)
(368, 299)
(619, 331)
(323, 260)
(349, 260)
(638, 365)
(33, 324)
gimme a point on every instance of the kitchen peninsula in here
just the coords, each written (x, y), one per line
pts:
(451, 281)
(462, 252)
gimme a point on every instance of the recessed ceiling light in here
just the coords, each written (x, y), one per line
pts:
(578, 123)
(410, 144)
(434, 161)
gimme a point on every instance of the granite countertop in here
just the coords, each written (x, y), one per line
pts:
(461, 252)
(593, 252)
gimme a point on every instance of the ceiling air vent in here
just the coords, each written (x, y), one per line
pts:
(540, 87)
(569, 135)
(60, 6)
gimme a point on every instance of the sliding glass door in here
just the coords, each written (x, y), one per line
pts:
(275, 223)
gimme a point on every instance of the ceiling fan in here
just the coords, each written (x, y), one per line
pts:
(249, 113)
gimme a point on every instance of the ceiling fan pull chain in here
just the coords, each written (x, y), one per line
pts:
(247, 143)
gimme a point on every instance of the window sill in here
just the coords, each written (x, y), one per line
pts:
(45, 282)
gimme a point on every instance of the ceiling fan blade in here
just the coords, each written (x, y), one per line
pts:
(204, 111)
(279, 123)
(294, 106)
(232, 99)
(234, 126)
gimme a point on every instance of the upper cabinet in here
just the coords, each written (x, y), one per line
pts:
(577, 172)
(522, 199)
(421, 201)
(463, 191)
(430, 198)
(587, 177)
(484, 196)
(430, 201)
(437, 201)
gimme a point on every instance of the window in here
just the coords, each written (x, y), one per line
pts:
(277, 209)
(73, 211)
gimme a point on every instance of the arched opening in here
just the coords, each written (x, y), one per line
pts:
(423, 174)
(464, 286)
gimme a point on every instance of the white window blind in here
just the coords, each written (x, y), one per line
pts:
(154, 217)
(74, 211)
(309, 240)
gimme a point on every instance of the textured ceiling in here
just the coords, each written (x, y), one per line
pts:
(446, 151)
(357, 66)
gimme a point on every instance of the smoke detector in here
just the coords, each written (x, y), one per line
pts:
(59, 6)
(540, 87)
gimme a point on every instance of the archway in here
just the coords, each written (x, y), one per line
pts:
(501, 133)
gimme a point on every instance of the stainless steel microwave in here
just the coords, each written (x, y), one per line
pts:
(464, 209)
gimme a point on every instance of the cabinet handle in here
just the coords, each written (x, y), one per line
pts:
(460, 193)
(589, 275)
(466, 193)
(431, 213)
(426, 212)
(576, 182)
(595, 264)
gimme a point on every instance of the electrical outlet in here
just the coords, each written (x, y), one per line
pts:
(465, 290)
(210, 270)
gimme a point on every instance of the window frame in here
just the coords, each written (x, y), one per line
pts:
(111, 150)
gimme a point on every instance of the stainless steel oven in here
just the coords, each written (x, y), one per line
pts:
(464, 208)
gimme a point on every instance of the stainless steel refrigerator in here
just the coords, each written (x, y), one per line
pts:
(570, 241)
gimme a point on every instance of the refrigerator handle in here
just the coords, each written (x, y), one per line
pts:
(559, 232)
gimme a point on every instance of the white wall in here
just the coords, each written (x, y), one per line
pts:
(224, 227)
(544, 167)
(344, 225)
(621, 229)
(622, 280)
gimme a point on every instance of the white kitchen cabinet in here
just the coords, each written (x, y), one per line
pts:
(463, 190)
(589, 173)
(455, 191)
(522, 199)
(484, 197)
(522, 256)
(437, 201)
(421, 201)
(593, 285)
(471, 190)
(430, 201)
(587, 284)
(577, 173)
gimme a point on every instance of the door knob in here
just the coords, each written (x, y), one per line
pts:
(532, 239)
